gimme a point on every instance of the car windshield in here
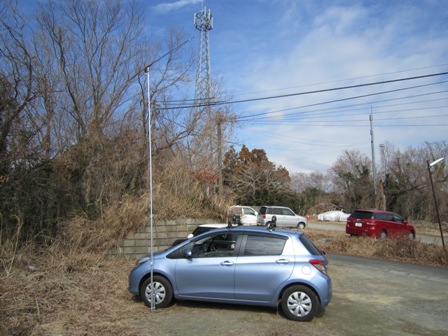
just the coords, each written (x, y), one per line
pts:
(201, 229)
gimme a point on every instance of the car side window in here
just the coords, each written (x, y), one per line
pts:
(213, 246)
(398, 219)
(287, 212)
(257, 245)
(277, 211)
(248, 211)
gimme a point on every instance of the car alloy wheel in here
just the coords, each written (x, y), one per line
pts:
(299, 303)
(163, 292)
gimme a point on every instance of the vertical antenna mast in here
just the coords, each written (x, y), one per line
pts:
(203, 21)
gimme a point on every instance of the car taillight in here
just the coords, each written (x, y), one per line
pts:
(319, 265)
(264, 216)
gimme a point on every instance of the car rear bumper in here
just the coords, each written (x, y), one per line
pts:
(365, 230)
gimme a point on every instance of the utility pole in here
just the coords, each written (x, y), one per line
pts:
(373, 153)
(219, 126)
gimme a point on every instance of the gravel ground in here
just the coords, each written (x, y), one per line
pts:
(370, 297)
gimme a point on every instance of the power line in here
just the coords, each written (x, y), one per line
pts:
(330, 110)
(216, 103)
(344, 80)
(349, 98)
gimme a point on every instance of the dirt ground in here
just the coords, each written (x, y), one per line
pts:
(370, 297)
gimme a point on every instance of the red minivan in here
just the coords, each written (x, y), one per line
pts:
(378, 224)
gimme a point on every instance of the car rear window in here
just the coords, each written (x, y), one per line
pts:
(263, 210)
(312, 249)
(362, 215)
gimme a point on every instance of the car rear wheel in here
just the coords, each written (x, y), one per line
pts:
(383, 234)
(163, 292)
(299, 303)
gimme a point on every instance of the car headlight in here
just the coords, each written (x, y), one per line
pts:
(142, 260)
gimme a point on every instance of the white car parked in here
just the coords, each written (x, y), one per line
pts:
(248, 216)
(285, 217)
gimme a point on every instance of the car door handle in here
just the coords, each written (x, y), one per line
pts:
(227, 263)
(282, 261)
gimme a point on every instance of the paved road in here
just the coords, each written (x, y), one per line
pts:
(341, 227)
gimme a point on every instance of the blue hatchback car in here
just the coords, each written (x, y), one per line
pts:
(239, 265)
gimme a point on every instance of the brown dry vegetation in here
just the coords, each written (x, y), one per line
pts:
(69, 288)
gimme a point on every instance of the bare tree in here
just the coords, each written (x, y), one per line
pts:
(94, 50)
(17, 75)
(351, 178)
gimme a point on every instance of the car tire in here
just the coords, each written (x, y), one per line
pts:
(301, 225)
(411, 235)
(163, 292)
(299, 303)
(383, 234)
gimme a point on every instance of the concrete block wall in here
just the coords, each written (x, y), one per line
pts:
(138, 244)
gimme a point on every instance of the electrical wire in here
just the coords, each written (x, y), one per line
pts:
(215, 103)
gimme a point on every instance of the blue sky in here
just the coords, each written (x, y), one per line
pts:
(267, 48)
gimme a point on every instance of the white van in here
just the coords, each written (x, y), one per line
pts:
(285, 217)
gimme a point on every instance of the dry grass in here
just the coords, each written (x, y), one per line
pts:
(56, 294)
(402, 249)
(69, 288)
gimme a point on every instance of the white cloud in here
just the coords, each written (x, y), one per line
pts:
(267, 48)
(172, 6)
(340, 43)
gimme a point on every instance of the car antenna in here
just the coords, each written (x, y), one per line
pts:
(229, 224)
(272, 224)
(236, 221)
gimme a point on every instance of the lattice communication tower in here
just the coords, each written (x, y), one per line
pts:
(203, 21)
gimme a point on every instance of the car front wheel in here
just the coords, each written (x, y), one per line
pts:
(163, 292)
(301, 226)
(299, 303)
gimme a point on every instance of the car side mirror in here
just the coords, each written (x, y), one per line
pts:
(190, 236)
(188, 253)
(405, 222)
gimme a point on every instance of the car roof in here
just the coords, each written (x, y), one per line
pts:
(374, 211)
(214, 225)
(241, 206)
(262, 229)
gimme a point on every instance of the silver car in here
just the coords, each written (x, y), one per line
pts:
(285, 217)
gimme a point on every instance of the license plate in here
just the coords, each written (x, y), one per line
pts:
(358, 224)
